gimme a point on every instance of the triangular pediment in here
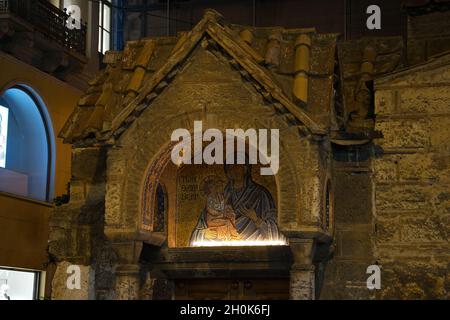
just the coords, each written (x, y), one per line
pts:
(98, 115)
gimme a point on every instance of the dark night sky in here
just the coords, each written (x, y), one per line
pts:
(325, 15)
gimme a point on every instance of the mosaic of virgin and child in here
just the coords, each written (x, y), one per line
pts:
(242, 211)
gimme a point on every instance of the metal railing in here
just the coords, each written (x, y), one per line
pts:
(49, 20)
(3, 6)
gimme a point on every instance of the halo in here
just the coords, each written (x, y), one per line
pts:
(206, 179)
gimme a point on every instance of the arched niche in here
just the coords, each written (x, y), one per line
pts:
(202, 207)
(298, 186)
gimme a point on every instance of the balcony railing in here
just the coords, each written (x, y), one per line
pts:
(49, 20)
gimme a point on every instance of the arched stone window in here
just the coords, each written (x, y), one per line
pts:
(27, 148)
(160, 210)
(328, 209)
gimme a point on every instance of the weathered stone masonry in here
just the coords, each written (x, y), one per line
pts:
(364, 163)
(411, 181)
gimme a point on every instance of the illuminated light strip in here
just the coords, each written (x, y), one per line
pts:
(4, 113)
(236, 243)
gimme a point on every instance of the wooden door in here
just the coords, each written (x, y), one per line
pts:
(232, 289)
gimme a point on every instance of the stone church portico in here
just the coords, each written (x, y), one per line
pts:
(132, 210)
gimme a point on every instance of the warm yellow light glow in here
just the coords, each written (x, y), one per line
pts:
(245, 243)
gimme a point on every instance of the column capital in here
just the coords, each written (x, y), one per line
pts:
(127, 269)
(302, 251)
(302, 267)
(128, 252)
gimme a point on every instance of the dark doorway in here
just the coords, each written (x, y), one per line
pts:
(232, 289)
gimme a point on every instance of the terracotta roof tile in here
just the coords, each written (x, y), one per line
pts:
(145, 67)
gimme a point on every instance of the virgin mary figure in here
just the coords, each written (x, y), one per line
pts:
(253, 206)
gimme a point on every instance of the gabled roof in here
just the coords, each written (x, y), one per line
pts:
(134, 77)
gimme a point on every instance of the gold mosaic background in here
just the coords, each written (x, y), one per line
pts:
(191, 199)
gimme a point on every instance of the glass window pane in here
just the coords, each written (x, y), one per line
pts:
(17, 285)
(27, 150)
(100, 18)
(106, 41)
(107, 18)
(100, 44)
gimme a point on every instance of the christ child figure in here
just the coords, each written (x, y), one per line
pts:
(220, 217)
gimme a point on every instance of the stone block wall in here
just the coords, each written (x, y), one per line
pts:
(76, 230)
(411, 185)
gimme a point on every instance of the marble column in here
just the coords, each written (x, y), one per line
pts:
(128, 270)
(147, 287)
(127, 282)
(302, 274)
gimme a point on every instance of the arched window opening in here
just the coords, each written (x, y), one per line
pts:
(160, 210)
(328, 209)
(26, 145)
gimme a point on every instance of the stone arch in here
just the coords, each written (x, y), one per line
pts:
(152, 181)
(147, 156)
(149, 187)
